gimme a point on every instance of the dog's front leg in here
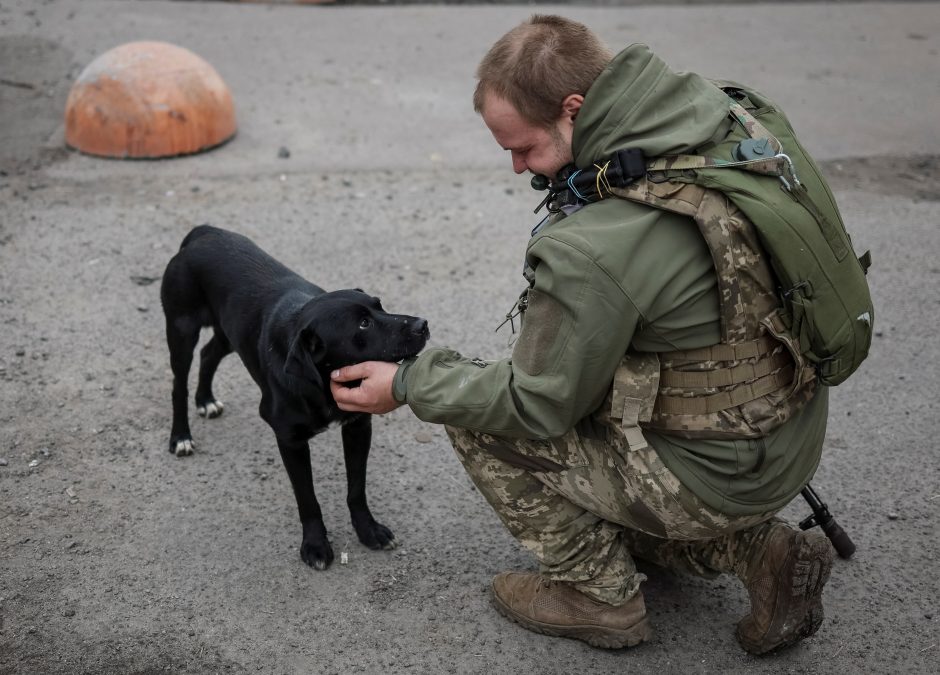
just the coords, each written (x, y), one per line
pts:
(357, 439)
(315, 549)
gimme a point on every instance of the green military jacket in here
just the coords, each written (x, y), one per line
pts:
(616, 275)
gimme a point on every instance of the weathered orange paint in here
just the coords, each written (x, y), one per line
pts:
(148, 99)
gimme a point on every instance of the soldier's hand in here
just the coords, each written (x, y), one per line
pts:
(372, 395)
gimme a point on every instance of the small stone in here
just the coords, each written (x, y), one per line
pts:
(423, 437)
(892, 516)
(143, 308)
(44, 452)
(34, 464)
(142, 280)
(68, 612)
(3, 461)
(283, 152)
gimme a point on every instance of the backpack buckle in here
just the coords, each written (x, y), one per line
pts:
(798, 287)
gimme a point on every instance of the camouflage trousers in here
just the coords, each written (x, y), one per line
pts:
(586, 504)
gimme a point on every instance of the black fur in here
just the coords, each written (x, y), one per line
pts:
(290, 334)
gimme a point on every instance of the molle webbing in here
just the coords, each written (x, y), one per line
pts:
(721, 352)
(633, 394)
(725, 377)
(739, 395)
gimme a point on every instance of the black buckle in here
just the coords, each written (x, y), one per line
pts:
(631, 165)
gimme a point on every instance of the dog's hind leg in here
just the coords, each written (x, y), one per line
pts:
(357, 439)
(209, 358)
(315, 548)
(182, 334)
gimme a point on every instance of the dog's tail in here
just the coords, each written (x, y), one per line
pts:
(196, 232)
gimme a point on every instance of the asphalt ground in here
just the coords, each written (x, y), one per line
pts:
(116, 557)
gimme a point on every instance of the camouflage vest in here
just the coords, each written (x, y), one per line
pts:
(757, 377)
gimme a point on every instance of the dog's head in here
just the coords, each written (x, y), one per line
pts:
(340, 328)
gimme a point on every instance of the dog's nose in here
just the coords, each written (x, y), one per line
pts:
(420, 327)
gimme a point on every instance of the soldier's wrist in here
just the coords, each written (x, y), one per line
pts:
(399, 388)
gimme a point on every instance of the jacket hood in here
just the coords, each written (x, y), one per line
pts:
(638, 102)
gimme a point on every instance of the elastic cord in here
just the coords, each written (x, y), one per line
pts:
(573, 188)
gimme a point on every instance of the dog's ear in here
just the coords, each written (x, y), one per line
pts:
(306, 352)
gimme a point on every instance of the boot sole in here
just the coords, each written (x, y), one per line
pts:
(596, 636)
(810, 559)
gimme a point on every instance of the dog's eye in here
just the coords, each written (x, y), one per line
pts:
(365, 323)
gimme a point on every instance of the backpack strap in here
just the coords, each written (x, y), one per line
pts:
(759, 155)
(729, 242)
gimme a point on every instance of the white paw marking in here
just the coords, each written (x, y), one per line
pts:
(184, 448)
(210, 410)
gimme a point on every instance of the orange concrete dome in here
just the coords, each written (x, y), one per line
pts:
(148, 99)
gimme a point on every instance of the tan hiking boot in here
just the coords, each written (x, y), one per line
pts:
(784, 579)
(556, 608)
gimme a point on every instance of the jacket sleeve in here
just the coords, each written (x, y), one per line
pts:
(578, 324)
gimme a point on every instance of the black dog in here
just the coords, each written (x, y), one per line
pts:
(289, 334)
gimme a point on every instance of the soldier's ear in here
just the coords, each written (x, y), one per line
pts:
(571, 106)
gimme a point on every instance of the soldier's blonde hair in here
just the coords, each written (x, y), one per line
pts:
(537, 64)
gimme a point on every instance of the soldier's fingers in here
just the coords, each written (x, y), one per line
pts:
(356, 371)
(349, 399)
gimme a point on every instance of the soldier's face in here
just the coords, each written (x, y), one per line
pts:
(533, 148)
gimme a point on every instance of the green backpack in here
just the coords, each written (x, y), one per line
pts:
(762, 168)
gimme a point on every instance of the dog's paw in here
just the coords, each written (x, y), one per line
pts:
(317, 553)
(374, 534)
(210, 409)
(315, 549)
(182, 447)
